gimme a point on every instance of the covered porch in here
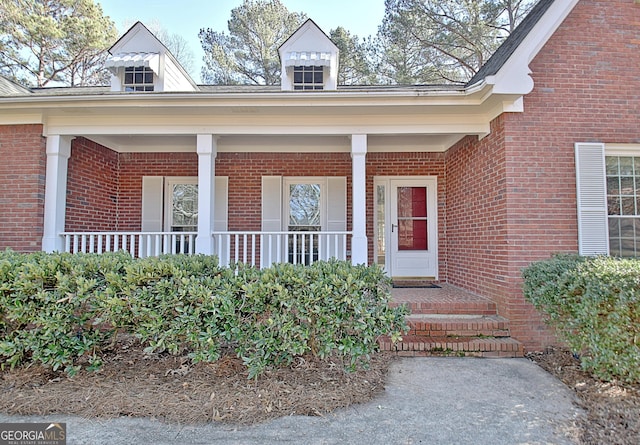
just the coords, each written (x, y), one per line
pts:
(375, 159)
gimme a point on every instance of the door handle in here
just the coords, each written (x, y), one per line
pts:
(393, 226)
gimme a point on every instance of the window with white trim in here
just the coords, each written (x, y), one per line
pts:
(181, 204)
(138, 78)
(312, 213)
(304, 213)
(623, 205)
(308, 77)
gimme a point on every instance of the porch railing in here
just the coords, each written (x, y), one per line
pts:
(262, 249)
(259, 249)
(138, 244)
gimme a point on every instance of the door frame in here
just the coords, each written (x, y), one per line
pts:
(431, 182)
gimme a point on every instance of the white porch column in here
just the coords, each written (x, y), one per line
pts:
(207, 151)
(359, 244)
(55, 192)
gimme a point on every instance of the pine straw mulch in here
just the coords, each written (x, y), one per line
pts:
(612, 410)
(166, 387)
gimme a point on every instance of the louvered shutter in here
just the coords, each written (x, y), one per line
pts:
(593, 237)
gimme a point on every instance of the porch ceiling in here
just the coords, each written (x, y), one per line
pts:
(285, 144)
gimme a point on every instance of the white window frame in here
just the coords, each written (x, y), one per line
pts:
(308, 86)
(292, 180)
(170, 181)
(135, 87)
(618, 150)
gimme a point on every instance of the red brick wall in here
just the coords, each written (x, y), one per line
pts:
(133, 166)
(586, 89)
(22, 179)
(92, 187)
(476, 213)
(245, 171)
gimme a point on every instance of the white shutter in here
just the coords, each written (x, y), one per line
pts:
(273, 248)
(336, 203)
(152, 189)
(271, 203)
(332, 246)
(593, 236)
(221, 203)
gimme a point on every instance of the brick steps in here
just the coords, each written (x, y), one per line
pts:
(421, 346)
(430, 325)
(450, 322)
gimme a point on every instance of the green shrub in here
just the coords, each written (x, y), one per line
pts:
(61, 310)
(328, 307)
(48, 304)
(594, 304)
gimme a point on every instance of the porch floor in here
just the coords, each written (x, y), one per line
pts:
(449, 321)
(447, 299)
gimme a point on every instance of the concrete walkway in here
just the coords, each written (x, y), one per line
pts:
(427, 401)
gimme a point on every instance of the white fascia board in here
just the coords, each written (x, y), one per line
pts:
(514, 76)
(21, 118)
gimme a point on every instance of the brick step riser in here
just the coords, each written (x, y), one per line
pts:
(471, 329)
(451, 309)
(416, 346)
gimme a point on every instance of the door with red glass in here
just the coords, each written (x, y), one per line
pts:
(413, 228)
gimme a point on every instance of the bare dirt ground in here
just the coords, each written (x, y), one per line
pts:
(132, 383)
(162, 386)
(613, 410)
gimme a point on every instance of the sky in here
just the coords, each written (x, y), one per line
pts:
(187, 17)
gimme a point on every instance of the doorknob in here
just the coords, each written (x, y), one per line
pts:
(393, 226)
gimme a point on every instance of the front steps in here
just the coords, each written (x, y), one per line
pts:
(451, 322)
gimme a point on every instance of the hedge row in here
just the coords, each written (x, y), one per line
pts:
(63, 310)
(594, 304)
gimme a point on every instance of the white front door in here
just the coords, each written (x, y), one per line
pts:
(412, 229)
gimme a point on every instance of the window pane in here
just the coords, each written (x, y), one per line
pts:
(627, 186)
(626, 166)
(304, 205)
(148, 77)
(185, 206)
(308, 77)
(613, 205)
(128, 78)
(612, 165)
(628, 205)
(412, 234)
(627, 248)
(297, 77)
(614, 227)
(412, 202)
(613, 185)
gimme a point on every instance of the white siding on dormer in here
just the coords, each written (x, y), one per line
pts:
(174, 80)
(139, 47)
(309, 46)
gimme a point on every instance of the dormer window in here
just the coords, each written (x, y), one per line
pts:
(138, 78)
(308, 78)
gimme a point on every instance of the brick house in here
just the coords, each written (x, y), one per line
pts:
(461, 184)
